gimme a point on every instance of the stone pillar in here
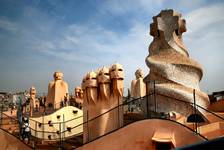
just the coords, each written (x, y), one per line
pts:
(103, 91)
(34, 102)
(174, 72)
(79, 96)
(138, 86)
(57, 90)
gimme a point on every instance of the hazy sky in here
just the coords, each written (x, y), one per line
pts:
(38, 37)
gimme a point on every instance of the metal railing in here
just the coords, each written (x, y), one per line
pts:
(11, 126)
(151, 106)
(7, 122)
(160, 106)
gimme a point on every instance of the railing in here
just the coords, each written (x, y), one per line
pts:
(11, 126)
(155, 105)
(160, 106)
(8, 121)
(46, 110)
(59, 125)
(58, 135)
(145, 108)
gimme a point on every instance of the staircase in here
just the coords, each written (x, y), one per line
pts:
(10, 124)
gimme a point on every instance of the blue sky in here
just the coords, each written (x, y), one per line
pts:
(38, 37)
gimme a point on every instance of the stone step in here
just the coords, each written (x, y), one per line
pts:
(212, 130)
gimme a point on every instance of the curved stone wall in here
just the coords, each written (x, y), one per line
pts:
(143, 135)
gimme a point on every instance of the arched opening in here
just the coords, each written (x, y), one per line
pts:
(163, 146)
(158, 33)
(195, 118)
(177, 32)
(163, 140)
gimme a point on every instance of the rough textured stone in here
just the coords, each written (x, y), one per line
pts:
(174, 72)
